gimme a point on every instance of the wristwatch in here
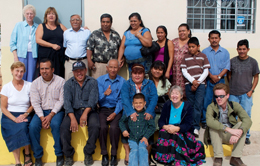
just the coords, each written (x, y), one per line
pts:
(252, 90)
(219, 77)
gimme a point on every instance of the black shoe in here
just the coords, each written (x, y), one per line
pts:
(38, 162)
(68, 161)
(114, 161)
(247, 141)
(60, 160)
(105, 160)
(204, 125)
(88, 161)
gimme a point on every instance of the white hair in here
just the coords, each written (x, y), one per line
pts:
(76, 15)
(178, 88)
(29, 7)
(115, 60)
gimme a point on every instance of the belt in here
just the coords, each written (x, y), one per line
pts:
(75, 59)
(108, 108)
(81, 109)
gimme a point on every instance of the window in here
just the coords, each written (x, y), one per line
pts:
(223, 15)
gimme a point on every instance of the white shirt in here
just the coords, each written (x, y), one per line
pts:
(76, 42)
(18, 101)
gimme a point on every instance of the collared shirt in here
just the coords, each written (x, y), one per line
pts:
(103, 49)
(76, 97)
(195, 65)
(114, 99)
(138, 129)
(47, 95)
(223, 116)
(76, 42)
(218, 60)
(20, 38)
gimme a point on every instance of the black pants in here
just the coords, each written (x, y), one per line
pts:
(93, 132)
(114, 130)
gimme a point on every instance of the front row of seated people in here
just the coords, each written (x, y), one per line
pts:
(80, 95)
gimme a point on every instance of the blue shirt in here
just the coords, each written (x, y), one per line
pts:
(20, 38)
(175, 115)
(76, 42)
(114, 99)
(218, 60)
(133, 45)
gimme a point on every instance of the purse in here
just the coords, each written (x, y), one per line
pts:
(161, 100)
(146, 51)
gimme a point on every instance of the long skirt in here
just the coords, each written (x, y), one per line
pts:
(179, 149)
(15, 135)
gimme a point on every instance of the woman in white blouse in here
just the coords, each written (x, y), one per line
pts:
(16, 108)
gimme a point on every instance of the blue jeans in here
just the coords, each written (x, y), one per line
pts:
(138, 154)
(196, 101)
(208, 97)
(246, 102)
(30, 65)
(35, 129)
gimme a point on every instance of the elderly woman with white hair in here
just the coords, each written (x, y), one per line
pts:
(23, 44)
(176, 144)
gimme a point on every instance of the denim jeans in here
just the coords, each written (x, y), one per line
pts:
(208, 97)
(138, 154)
(35, 129)
(196, 101)
(246, 102)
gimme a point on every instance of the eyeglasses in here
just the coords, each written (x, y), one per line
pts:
(221, 96)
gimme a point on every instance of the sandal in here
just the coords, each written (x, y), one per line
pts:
(126, 162)
(18, 164)
(27, 155)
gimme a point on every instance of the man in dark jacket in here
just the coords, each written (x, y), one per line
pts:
(224, 127)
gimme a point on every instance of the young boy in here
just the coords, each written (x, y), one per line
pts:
(195, 67)
(140, 131)
(243, 78)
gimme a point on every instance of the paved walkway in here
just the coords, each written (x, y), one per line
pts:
(248, 160)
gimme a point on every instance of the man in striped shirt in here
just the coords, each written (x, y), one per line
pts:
(46, 96)
(195, 69)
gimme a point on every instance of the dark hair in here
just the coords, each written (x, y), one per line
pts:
(139, 96)
(137, 68)
(221, 86)
(187, 27)
(243, 42)
(137, 15)
(194, 40)
(214, 32)
(163, 28)
(44, 60)
(106, 15)
(158, 65)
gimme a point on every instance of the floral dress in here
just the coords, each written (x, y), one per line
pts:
(179, 53)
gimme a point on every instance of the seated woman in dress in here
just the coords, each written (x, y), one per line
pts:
(157, 75)
(165, 54)
(176, 145)
(16, 108)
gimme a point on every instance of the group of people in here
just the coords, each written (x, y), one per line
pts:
(175, 90)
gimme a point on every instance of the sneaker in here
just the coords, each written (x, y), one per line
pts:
(88, 161)
(60, 161)
(247, 141)
(196, 133)
(68, 161)
(38, 162)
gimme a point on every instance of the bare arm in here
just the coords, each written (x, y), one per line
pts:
(63, 27)
(121, 52)
(15, 56)
(171, 56)
(146, 39)
(4, 100)
(255, 82)
(229, 76)
(91, 65)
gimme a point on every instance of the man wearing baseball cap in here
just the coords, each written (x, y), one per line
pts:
(80, 100)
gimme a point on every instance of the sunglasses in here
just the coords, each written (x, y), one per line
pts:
(221, 96)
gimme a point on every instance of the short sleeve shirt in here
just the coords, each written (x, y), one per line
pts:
(242, 73)
(103, 49)
(195, 64)
(18, 101)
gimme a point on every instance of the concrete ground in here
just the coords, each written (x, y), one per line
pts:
(252, 160)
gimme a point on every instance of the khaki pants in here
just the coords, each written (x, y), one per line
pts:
(219, 137)
(68, 67)
(100, 70)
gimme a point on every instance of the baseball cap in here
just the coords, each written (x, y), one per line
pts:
(78, 65)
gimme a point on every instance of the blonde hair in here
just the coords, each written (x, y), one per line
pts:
(51, 9)
(29, 7)
(17, 65)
